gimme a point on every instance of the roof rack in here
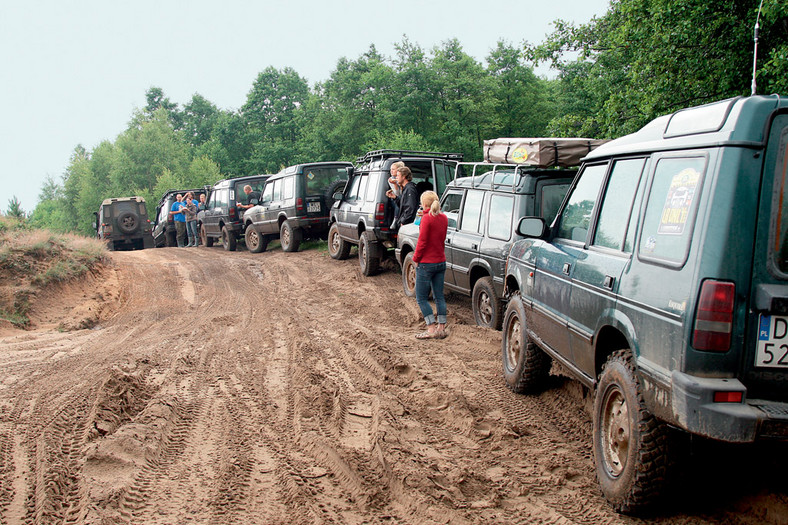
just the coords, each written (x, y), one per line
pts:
(518, 170)
(381, 154)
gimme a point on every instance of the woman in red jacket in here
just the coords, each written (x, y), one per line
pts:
(430, 260)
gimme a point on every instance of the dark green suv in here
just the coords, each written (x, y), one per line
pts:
(123, 224)
(662, 285)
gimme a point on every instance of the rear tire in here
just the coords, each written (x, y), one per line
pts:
(255, 241)
(289, 237)
(409, 275)
(630, 444)
(206, 241)
(229, 242)
(338, 248)
(487, 305)
(526, 367)
(169, 240)
(368, 254)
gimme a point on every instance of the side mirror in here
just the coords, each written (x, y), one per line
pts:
(532, 227)
(95, 220)
(337, 196)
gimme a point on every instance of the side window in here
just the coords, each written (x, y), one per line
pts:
(576, 217)
(472, 211)
(277, 194)
(617, 203)
(552, 196)
(499, 225)
(451, 207)
(670, 211)
(163, 213)
(352, 193)
(268, 193)
(443, 175)
(372, 189)
(288, 189)
(362, 186)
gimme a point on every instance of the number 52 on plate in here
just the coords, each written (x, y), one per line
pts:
(772, 341)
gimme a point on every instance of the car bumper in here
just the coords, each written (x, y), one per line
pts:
(696, 411)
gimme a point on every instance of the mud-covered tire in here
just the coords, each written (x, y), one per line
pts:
(229, 242)
(368, 254)
(526, 367)
(338, 248)
(128, 222)
(255, 241)
(206, 241)
(487, 306)
(290, 238)
(169, 240)
(409, 275)
(630, 445)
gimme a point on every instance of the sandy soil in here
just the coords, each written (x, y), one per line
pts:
(224, 388)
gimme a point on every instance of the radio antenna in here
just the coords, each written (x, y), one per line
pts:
(755, 50)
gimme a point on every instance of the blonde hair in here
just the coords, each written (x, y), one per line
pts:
(397, 165)
(431, 202)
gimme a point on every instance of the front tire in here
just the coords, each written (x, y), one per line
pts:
(409, 275)
(525, 366)
(486, 304)
(630, 444)
(229, 242)
(255, 241)
(289, 237)
(338, 248)
(368, 254)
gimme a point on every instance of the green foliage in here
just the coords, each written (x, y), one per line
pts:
(15, 209)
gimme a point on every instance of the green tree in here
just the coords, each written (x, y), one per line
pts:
(15, 209)
(199, 119)
(155, 101)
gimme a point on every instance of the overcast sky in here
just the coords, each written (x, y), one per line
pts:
(73, 71)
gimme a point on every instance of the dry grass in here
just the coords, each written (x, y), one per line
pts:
(31, 259)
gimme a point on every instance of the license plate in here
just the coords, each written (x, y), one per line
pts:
(772, 341)
(312, 207)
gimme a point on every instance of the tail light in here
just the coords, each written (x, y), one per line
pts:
(233, 212)
(380, 215)
(300, 205)
(106, 228)
(714, 317)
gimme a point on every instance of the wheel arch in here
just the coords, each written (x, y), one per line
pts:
(479, 270)
(614, 333)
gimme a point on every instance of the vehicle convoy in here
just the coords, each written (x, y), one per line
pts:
(164, 225)
(123, 224)
(362, 214)
(295, 205)
(222, 219)
(662, 285)
(483, 205)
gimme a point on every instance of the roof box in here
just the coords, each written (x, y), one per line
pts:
(540, 152)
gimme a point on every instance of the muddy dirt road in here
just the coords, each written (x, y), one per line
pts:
(225, 388)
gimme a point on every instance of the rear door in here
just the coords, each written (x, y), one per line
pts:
(466, 240)
(451, 206)
(352, 206)
(766, 355)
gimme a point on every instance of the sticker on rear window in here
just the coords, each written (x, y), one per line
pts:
(678, 202)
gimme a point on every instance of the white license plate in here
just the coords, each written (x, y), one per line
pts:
(772, 341)
(312, 207)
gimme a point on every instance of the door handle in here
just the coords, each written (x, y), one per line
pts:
(474, 246)
(566, 268)
(608, 282)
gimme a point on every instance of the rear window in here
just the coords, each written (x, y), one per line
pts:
(671, 208)
(781, 204)
(318, 179)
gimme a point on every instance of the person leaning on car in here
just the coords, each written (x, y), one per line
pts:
(250, 194)
(408, 201)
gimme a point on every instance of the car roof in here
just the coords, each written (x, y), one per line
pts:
(501, 177)
(122, 199)
(732, 122)
(299, 168)
(245, 178)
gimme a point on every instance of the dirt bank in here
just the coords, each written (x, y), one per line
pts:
(222, 388)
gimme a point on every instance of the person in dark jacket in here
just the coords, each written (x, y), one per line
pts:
(408, 201)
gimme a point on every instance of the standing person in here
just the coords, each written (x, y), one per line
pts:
(408, 200)
(190, 214)
(201, 206)
(430, 260)
(176, 212)
(395, 190)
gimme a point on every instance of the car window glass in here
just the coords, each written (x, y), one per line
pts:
(352, 193)
(780, 236)
(362, 186)
(372, 188)
(319, 179)
(617, 203)
(552, 196)
(451, 207)
(268, 192)
(472, 211)
(670, 210)
(499, 224)
(277, 194)
(576, 217)
(629, 242)
(288, 190)
(221, 198)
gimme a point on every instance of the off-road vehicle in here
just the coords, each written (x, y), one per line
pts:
(123, 224)
(662, 286)
(363, 213)
(295, 205)
(483, 205)
(222, 219)
(164, 225)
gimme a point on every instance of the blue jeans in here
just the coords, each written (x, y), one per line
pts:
(430, 276)
(191, 230)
